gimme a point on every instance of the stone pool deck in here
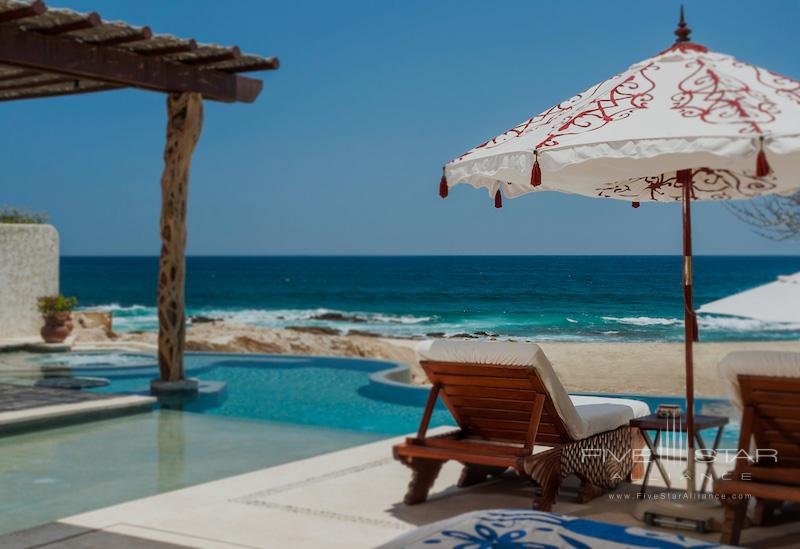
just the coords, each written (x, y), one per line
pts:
(34, 344)
(347, 499)
(16, 397)
(23, 407)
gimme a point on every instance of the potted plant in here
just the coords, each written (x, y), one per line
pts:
(15, 216)
(56, 311)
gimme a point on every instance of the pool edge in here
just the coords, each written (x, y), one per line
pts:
(58, 415)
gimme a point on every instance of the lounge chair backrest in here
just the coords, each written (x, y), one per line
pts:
(779, 364)
(775, 422)
(765, 387)
(490, 386)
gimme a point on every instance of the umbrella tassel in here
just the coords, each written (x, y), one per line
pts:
(498, 200)
(536, 172)
(635, 204)
(443, 188)
(762, 166)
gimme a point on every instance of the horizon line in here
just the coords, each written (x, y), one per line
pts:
(415, 255)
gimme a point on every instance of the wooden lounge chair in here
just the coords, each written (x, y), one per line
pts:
(507, 399)
(765, 386)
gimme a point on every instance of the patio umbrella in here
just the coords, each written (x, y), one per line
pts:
(776, 302)
(688, 124)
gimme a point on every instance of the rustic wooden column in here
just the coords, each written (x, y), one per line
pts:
(185, 120)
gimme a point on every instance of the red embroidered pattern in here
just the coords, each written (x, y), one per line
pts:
(706, 183)
(721, 99)
(783, 85)
(631, 94)
(685, 47)
(542, 119)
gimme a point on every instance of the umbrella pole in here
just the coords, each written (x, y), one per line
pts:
(690, 328)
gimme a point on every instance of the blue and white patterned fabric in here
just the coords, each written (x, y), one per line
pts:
(523, 529)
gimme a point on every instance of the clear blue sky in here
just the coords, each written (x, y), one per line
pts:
(342, 152)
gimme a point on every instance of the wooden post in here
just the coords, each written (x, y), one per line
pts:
(185, 120)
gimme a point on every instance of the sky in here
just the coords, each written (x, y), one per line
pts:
(342, 152)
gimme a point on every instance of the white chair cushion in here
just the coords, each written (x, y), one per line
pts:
(756, 363)
(583, 415)
(605, 413)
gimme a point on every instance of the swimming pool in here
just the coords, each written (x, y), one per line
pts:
(49, 474)
(334, 393)
(258, 411)
(337, 393)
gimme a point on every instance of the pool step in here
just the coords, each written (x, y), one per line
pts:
(57, 414)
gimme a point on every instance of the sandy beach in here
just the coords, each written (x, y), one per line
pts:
(646, 368)
(654, 368)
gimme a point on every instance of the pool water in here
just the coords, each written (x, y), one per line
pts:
(255, 411)
(324, 392)
(317, 391)
(50, 474)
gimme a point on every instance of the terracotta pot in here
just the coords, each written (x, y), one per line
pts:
(57, 327)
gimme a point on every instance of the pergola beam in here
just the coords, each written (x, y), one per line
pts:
(18, 75)
(189, 45)
(90, 21)
(89, 87)
(34, 50)
(140, 34)
(268, 64)
(38, 84)
(232, 53)
(31, 10)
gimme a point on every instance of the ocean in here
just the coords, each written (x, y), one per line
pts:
(568, 298)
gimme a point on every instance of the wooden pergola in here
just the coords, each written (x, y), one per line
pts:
(48, 52)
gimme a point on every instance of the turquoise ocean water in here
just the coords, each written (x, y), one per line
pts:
(598, 298)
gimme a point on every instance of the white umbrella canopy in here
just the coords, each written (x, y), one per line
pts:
(778, 301)
(736, 126)
(688, 124)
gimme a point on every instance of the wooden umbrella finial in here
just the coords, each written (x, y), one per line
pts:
(683, 31)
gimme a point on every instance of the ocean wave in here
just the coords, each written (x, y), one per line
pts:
(643, 320)
(402, 319)
(128, 318)
(280, 317)
(141, 317)
(137, 317)
(711, 323)
(117, 308)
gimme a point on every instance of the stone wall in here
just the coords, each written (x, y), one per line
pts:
(28, 270)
